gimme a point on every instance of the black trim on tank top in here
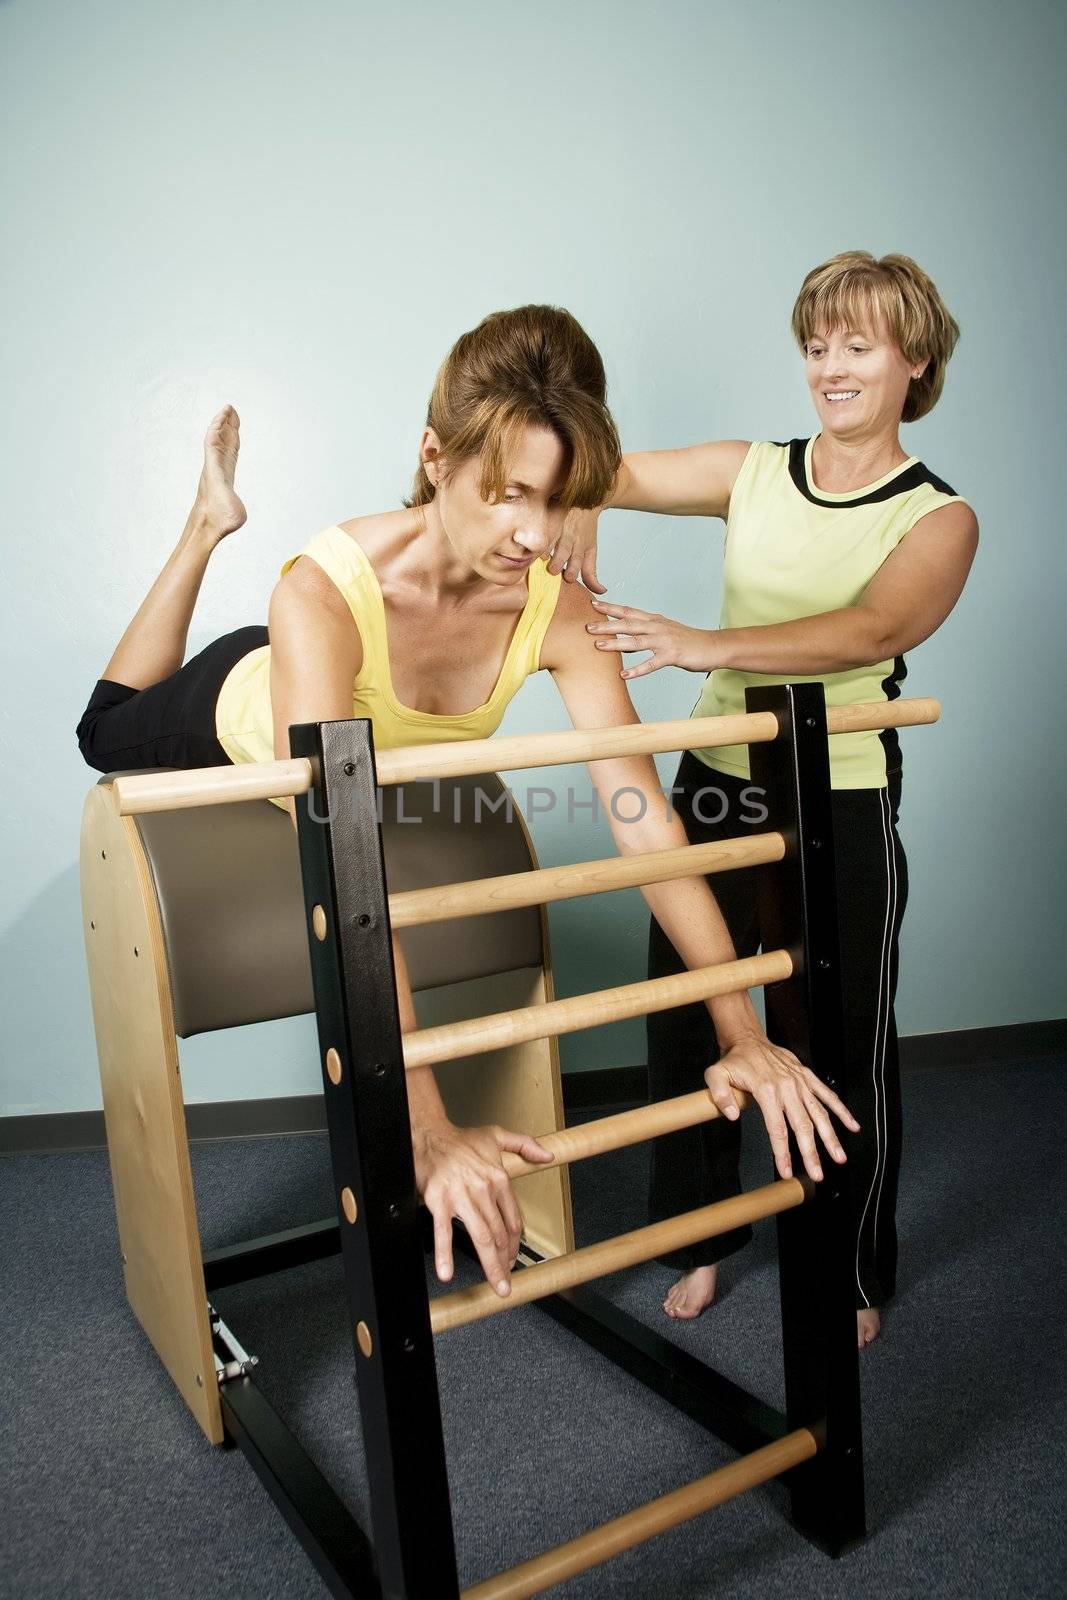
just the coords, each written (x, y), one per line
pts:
(912, 479)
(890, 687)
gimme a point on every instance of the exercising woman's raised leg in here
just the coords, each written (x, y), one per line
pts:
(153, 645)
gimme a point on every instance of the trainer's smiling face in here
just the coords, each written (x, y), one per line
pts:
(859, 380)
(501, 539)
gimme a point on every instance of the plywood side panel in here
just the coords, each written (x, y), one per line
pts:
(143, 1109)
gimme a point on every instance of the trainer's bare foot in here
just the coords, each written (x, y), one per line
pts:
(868, 1325)
(692, 1294)
(218, 510)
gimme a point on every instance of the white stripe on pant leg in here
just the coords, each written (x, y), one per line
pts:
(891, 843)
(878, 1067)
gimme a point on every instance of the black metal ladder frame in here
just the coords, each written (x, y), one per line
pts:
(378, 1232)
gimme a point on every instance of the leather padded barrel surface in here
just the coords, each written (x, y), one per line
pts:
(230, 895)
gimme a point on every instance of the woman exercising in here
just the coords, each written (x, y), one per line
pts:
(427, 620)
(842, 552)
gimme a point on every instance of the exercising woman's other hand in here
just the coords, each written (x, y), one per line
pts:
(459, 1173)
(574, 552)
(789, 1095)
(673, 644)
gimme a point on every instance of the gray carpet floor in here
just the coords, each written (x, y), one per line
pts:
(109, 1489)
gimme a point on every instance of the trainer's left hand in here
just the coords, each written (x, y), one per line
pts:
(673, 644)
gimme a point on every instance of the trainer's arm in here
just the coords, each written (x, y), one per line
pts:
(693, 482)
(907, 600)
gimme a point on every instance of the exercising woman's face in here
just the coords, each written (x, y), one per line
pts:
(501, 539)
(858, 379)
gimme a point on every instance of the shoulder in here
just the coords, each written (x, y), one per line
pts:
(309, 578)
(731, 455)
(937, 506)
(566, 633)
(380, 533)
(308, 612)
(947, 518)
(755, 463)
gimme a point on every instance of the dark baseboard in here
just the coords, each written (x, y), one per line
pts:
(56, 1132)
(986, 1047)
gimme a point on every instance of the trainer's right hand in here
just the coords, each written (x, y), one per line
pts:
(574, 552)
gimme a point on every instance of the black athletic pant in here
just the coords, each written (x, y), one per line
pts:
(169, 724)
(699, 1165)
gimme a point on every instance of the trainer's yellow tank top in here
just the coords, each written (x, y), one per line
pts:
(243, 721)
(793, 550)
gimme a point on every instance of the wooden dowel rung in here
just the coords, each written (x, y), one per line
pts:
(506, 754)
(482, 896)
(448, 1042)
(622, 1129)
(612, 1255)
(511, 752)
(210, 786)
(267, 780)
(667, 1511)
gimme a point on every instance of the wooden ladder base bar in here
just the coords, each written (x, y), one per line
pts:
(480, 897)
(611, 1255)
(452, 1040)
(622, 1533)
(622, 1129)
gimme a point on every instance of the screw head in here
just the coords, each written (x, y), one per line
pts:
(824, 965)
(363, 920)
(348, 768)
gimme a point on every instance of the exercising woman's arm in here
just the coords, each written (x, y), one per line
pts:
(315, 654)
(685, 908)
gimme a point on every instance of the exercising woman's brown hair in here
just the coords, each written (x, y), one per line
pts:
(531, 367)
(855, 289)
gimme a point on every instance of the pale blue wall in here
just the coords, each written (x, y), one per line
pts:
(298, 208)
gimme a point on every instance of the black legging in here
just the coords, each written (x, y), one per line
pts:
(700, 1165)
(169, 724)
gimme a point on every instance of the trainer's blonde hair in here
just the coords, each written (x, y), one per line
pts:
(531, 367)
(855, 290)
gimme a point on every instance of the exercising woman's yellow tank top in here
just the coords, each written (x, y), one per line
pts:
(243, 720)
(793, 550)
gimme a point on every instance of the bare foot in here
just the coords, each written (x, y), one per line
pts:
(692, 1294)
(217, 508)
(868, 1325)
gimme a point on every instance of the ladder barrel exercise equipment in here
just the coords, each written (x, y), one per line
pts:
(200, 914)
